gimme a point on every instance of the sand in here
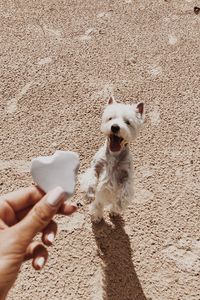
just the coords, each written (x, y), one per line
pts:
(59, 62)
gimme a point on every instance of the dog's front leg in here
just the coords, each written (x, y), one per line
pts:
(92, 184)
(89, 180)
(96, 208)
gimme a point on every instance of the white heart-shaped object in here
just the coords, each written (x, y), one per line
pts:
(59, 169)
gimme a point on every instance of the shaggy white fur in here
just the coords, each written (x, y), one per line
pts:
(109, 180)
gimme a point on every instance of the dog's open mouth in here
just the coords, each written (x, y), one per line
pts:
(116, 143)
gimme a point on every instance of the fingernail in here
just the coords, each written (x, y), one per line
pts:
(75, 206)
(40, 262)
(51, 237)
(56, 196)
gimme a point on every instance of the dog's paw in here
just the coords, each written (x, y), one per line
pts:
(115, 210)
(95, 213)
(91, 193)
(113, 214)
(96, 219)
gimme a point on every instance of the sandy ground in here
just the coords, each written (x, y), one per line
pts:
(59, 61)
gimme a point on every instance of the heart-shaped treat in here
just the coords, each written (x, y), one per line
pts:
(59, 169)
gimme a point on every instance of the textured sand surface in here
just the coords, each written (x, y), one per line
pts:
(59, 61)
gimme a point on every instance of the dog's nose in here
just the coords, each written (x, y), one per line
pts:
(115, 128)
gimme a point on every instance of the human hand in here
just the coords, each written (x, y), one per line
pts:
(23, 214)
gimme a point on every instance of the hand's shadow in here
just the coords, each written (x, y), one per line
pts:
(120, 281)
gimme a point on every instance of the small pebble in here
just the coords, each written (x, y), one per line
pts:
(101, 32)
(196, 10)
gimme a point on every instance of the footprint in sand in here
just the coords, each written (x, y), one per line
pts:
(155, 71)
(53, 32)
(104, 15)
(172, 39)
(142, 195)
(185, 253)
(12, 104)
(145, 171)
(155, 116)
(44, 61)
(163, 278)
(88, 34)
(21, 166)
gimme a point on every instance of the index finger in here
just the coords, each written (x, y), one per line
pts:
(23, 198)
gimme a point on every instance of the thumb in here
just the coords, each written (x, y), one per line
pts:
(40, 215)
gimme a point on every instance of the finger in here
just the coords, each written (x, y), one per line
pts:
(22, 213)
(49, 233)
(23, 198)
(3, 225)
(40, 215)
(40, 257)
(7, 214)
(38, 253)
(30, 249)
(66, 209)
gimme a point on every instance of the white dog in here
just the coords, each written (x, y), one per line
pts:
(109, 180)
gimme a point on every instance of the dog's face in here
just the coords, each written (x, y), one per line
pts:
(121, 123)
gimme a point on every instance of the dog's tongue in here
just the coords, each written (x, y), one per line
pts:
(115, 143)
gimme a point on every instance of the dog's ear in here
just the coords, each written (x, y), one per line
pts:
(140, 109)
(111, 100)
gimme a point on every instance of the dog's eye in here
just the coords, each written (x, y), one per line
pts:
(110, 119)
(127, 122)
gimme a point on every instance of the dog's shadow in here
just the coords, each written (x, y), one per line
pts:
(120, 281)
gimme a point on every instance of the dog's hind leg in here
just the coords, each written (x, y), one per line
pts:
(115, 210)
(126, 194)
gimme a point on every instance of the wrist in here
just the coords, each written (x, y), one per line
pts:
(7, 279)
(3, 293)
